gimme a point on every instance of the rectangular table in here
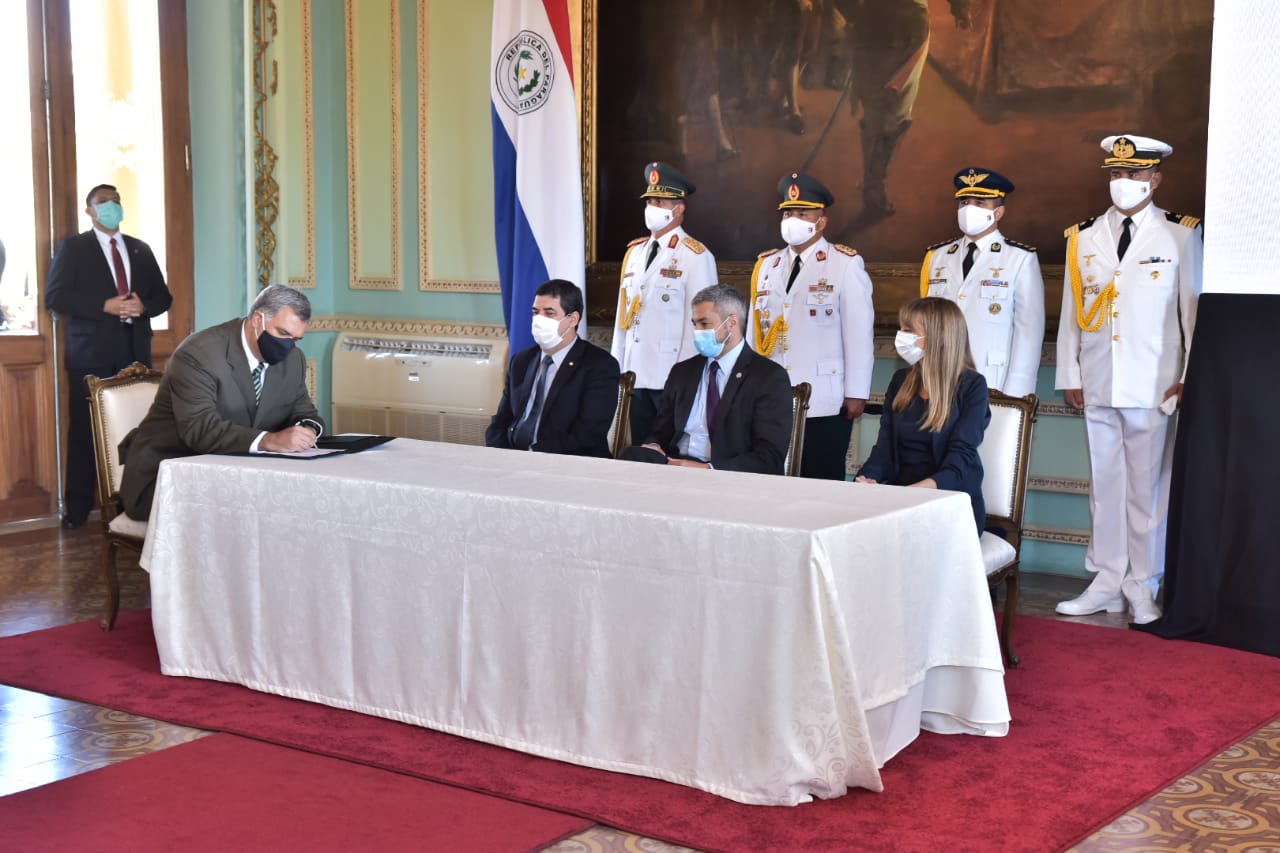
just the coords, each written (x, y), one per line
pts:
(767, 639)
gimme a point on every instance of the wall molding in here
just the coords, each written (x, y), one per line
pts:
(357, 281)
(426, 283)
(307, 281)
(396, 326)
(266, 190)
(1059, 485)
(1058, 535)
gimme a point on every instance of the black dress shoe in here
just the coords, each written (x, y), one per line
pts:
(72, 522)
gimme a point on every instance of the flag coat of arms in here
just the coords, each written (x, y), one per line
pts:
(537, 180)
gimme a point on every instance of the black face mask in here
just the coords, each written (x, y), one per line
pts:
(274, 350)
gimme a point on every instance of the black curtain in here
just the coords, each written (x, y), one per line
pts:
(1222, 565)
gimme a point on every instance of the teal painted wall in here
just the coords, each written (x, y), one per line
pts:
(216, 62)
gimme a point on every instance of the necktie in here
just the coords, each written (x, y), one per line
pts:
(1125, 238)
(968, 260)
(122, 280)
(522, 436)
(653, 253)
(713, 395)
(257, 381)
(795, 271)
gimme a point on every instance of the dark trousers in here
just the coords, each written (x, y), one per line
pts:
(826, 443)
(644, 408)
(82, 472)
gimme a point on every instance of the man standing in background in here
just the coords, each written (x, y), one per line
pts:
(661, 274)
(995, 281)
(108, 286)
(1128, 311)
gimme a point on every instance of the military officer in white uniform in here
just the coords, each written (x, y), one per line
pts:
(1128, 311)
(995, 281)
(660, 275)
(811, 313)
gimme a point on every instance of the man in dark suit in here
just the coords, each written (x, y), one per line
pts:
(727, 408)
(108, 286)
(239, 387)
(560, 395)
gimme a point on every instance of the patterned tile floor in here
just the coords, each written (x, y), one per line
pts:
(50, 577)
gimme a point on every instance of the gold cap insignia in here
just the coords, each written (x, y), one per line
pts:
(1123, 149)
(973, 179)
(654, 177)
(793, 192)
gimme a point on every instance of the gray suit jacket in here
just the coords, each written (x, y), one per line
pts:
(205, 405)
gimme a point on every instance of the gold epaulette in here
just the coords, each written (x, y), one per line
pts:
(936, 246)
(1185, 221)
(1080, 226)
(1023, 246)
(845, 250)
(637, 241)
(768, 253)
(694, 245)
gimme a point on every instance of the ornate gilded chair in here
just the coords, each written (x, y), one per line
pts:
(1006, 462)
(116, 406)
(618, 433)
(799, 412)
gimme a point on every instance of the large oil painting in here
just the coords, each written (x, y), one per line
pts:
(883, 100)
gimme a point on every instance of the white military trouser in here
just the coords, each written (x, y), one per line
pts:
(1130, 457)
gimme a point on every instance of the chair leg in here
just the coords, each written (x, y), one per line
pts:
(1010, 609)
(109, 552)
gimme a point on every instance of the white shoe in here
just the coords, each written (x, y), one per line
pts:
(1091, 602)
(1144, 608)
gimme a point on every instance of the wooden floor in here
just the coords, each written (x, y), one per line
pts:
(50, 577)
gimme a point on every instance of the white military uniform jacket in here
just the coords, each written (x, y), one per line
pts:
(1003, 304)
(653, 329)
(1139, 349)
(829, 337)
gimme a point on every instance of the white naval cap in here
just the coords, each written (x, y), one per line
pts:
(1128, 151)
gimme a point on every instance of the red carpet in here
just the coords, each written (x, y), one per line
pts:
(225, 793)
(1102, 718)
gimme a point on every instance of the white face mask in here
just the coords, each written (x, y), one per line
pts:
(908, 346)
(797, 231)
(656, 218)
(974, 220)
(1126, 193)
(546, 331)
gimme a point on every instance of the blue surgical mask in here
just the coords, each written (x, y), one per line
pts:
(274, 350)
(706, 343)
(110, 214)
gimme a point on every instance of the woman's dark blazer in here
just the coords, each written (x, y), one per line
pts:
(955, 445)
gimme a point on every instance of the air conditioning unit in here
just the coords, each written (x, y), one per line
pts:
(438, 389)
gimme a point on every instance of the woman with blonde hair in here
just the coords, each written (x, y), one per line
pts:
(935, 410)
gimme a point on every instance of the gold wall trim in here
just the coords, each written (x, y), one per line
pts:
(391, 326)
(357, 281)
(1058, 410)
(1060, 535)
(586, 80)
(266, 191)
(426, 283)
(311, 378)
(424, 149)
(1060, 485)
(307, 281)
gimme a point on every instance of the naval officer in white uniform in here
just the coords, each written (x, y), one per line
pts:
(995, 281)
(661, 274)
(811, 313)
(1128, 311)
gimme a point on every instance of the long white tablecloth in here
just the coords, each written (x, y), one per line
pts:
(767, 639)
